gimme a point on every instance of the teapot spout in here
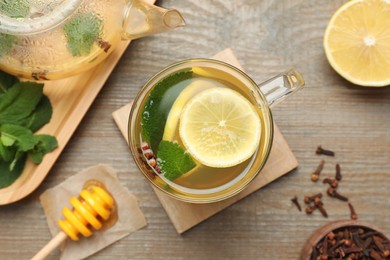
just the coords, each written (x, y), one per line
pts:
(142, 19)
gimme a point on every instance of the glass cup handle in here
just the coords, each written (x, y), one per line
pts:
(281, 86)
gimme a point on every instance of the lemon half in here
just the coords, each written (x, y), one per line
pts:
(220, 128)
(357, 42)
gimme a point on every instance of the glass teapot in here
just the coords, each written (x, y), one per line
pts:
(53, 39)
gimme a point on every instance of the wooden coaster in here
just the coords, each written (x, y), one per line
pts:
(186, 215)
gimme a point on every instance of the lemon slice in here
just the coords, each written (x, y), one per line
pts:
(174, 114)
(357, 42)
(220, 128)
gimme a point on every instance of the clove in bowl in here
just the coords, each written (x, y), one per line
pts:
(347, 239)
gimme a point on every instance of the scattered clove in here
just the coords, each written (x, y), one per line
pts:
(309, 199)
(334, 194)
(296, 203)
(314, 202)
(320, 150)
(352, 210)
(320, 206)
(316, 174)
(333, 183)
(338, 173)
(309, 209)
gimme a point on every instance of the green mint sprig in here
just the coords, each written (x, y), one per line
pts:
(173, 160)
(82, 31)
(23, 110)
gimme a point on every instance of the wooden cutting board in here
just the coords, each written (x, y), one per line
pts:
(186, 215)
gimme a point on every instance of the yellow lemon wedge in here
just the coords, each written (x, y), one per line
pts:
(357, 42)
(174, 114)
(220, 128)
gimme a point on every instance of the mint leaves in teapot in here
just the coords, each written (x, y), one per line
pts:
(82, 31)
(23, 110)
(7, 43)
(15, 8)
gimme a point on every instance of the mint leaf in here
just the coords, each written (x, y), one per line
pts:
(7, 140)
(7, 43)
(6, 80)
(23, 110)
(6, 153)
(19, 102)
(173, 160)
(82, 32)
(16, 135)
(43, 144)
(40, 116)
(9, 174)
(15, 8)
(158, 105)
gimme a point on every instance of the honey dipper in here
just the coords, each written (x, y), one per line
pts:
(87, 209)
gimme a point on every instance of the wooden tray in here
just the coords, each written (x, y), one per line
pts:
(186, 215)
(71, 99)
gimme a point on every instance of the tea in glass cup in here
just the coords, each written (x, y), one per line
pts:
(201, 130)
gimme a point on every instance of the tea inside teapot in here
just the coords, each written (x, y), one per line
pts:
(54, 39)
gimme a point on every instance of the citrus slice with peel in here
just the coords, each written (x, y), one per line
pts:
(357, 42)
(174, 114)
(220, 128)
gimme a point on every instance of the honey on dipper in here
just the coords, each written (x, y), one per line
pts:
(94, 206)
(86, 212)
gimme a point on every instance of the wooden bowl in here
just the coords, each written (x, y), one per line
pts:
(324, 230)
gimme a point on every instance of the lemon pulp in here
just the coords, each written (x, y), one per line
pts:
(220, 128)
(357, 42)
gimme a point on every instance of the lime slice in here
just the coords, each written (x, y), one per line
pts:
(357, 42)
(174, 114)
(220, 128)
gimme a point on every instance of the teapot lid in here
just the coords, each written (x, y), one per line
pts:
(22, 17)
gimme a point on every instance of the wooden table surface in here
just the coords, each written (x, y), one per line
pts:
(268, 36)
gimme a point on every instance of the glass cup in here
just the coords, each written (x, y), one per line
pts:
(262, 96)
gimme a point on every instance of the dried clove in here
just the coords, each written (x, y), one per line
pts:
(104, 45)
(296, 203)
(316, 174)
(145, 146)
(320, 150)
(309, 199)
(338, 173)
(333, 183)
(334, 194)
(352, 210)
(152, 162)
(148, 154)
(376, 255)
(309, 209)
(321, 208)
